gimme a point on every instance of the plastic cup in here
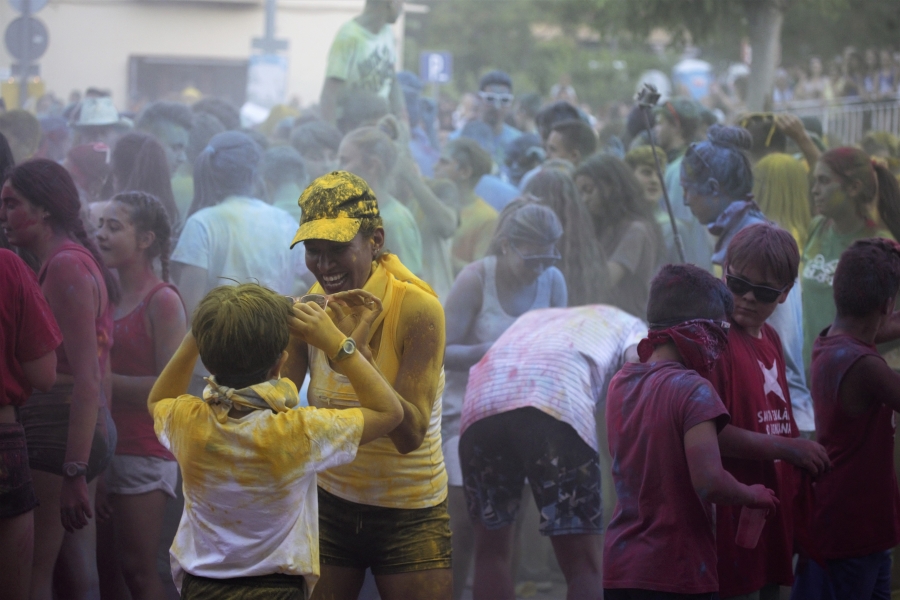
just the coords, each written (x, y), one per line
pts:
(315, 299)
(750, 527)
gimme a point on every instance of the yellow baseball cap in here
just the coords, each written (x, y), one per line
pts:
(332, 207)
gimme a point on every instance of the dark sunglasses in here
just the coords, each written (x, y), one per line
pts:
(538, 261)
(496, 99)
(762, 293)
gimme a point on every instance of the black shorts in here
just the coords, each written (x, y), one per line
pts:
(47, 432)
(386, 540)
(16, 491)
(499, 452)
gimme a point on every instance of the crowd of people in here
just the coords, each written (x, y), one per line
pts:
(873, 74)
(667, 331)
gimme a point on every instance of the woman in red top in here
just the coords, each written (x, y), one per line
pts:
(69, 434)
(150, 323)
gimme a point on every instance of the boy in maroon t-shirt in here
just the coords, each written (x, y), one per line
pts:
(663, 418)
(761, 444)
(856, 518)
(29, 337)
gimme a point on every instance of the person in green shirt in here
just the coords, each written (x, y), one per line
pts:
(845, 182)
(464, 163)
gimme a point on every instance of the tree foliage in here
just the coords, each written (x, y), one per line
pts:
(602, 43)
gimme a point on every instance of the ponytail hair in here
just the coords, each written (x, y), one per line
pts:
(148, 214)
(877, 183)
(48, 185)
(226, 167)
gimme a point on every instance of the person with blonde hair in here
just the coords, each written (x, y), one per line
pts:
(781, 190)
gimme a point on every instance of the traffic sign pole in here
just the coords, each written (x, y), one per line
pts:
(25, 61)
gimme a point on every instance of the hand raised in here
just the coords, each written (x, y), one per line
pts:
(311, 324)
(354, 312)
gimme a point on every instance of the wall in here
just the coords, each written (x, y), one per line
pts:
(91, 40)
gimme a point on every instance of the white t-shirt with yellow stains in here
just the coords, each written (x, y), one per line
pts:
(250, 504)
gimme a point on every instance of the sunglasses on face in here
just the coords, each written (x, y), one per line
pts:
(762, 293)
(496, 99)
(538, 261)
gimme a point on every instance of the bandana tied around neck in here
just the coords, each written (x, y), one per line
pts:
(277, 395)
(699, 341)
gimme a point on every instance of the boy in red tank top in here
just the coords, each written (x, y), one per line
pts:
(761, 444)
(856, 519)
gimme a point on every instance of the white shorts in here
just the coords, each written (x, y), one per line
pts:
(451, 461)
(129, 475)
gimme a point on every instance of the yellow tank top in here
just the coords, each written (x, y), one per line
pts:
(380, 475)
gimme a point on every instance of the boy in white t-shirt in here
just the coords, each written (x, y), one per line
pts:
(248, 455)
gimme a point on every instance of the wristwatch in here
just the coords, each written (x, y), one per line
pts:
(348, 347)
(74, 469)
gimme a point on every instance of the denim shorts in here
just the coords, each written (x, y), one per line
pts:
(499, 452)
(47, 433)
(386, 540)
(16, 491)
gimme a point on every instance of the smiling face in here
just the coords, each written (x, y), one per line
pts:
(117, 238)
(23, 222)
(340, 267)
(650, 183)
(749, 312)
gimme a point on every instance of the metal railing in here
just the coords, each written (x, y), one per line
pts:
(847, 121)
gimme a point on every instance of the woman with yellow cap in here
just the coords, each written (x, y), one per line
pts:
(387, 510)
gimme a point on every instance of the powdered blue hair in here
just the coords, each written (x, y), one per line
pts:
(722, 157)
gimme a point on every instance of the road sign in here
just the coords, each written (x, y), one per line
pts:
(270, 46)
(26, 38)
(34, 5)
(267, 80)
(436, 67)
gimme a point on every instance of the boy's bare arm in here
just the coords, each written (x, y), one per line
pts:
(176, 376)
(870, 381)
(735, 442)
(711, 481)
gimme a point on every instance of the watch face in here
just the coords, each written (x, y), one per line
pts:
(349, 346)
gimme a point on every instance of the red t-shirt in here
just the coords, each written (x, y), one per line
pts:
(750, 379)
(857, 508)
(28, 328)
(661, 536)
(133, 355)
